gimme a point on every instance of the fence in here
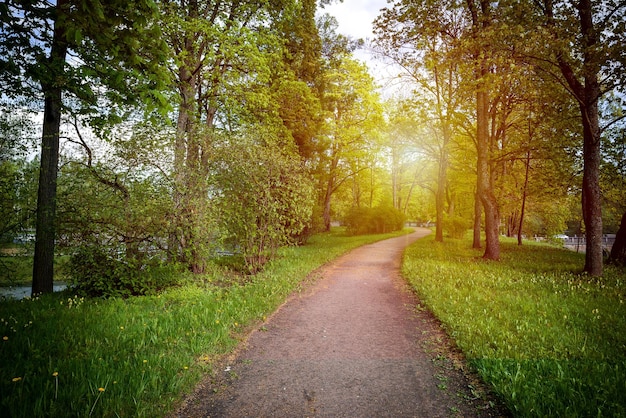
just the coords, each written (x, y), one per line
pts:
(579, 244)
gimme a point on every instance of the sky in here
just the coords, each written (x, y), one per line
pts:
(355, 19)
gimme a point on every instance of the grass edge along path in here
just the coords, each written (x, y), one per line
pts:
(549, 340)
(61, 355)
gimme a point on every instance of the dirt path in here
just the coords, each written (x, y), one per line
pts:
(352, 345)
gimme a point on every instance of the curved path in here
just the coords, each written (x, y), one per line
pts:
(351, 345)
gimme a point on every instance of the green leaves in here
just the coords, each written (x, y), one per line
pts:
(263, 198)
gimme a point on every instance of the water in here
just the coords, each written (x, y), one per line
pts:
(21, 292)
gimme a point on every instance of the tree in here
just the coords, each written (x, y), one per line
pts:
(117, 200)
(354, 114)
(229, 65)
(263, 197)
(482, 20)
(586, 45)
(107, 44)
(420, 38)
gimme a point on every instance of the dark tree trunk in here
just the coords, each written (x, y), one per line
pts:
(327, 198)
(524, 195)
(478, 214)
(591, 197)
(442, 180)
(480, 11)
(618, 252)
(43, 264)
(587, 94)
(485, 186)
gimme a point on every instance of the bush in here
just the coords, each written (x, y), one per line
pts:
(94, 273)
(263, 199)
(456, 226)
(377, 220)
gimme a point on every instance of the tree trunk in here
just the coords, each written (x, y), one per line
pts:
(478, 214)
(618, 252)
(524, 195)
(327, 196)
(591, 197)
(43, 264)
(330, 189)
(587, 94)
(441, 186)
(485, 186)
(480, 12)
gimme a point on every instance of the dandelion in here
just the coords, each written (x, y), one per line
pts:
(121, 328)
(16, 379)
(145, 361)
(217, 321)
(100, 392)
(5, 338)
(56, 384)
(185, 368)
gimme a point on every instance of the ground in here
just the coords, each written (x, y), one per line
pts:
(355, 343)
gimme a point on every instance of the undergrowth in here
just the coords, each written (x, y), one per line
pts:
(549, 339)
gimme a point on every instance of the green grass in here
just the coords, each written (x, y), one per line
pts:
(61, 355)
(551, 341)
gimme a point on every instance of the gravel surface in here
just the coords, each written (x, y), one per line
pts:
(353, 344)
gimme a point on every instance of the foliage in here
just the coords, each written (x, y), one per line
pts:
(113, 43)
(263, 198)
(377, 220)
(547, 338)
(353, 113)
(62, 355)
(116, 62)
(120, 202)
(92, 272)
(17, 176)
(456, 226)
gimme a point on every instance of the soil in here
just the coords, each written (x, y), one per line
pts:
(355, 343)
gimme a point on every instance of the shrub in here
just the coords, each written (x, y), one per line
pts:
(263, 199)
(377, 220)
(456, 226)
(93, 272)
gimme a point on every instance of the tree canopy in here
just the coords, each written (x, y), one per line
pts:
(179, 131)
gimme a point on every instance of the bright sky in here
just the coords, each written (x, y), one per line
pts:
(355, 19)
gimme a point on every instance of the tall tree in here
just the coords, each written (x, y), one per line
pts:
(223, 56)
(587, 45)
(354, 113)
(482, 18)
(112, 44)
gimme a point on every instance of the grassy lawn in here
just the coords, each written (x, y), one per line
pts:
(550, 341)
(64, 356)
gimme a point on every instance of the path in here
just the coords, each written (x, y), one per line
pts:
(352, 345)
